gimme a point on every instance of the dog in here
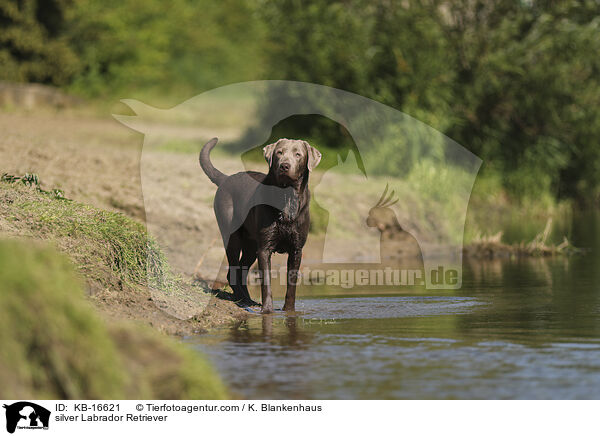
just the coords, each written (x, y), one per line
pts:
(259, 214)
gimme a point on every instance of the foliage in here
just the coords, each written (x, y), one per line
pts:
(182, 46)
(527, 92)
(106, 47)
(381, 50)
(33, 46)
(516, 82)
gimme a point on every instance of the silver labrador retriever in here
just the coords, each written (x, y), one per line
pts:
(259, 214)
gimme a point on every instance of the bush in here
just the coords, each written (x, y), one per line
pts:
(33, 46)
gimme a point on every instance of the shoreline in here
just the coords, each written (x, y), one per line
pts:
(97, 161)
(109, 252)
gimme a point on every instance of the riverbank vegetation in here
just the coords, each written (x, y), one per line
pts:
(126, 273)
(55, 346)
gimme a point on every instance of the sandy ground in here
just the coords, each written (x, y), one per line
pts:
(94, 161)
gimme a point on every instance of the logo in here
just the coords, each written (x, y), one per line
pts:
(389, 203)
(26, 415)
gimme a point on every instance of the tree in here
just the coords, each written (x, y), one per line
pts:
(527, 92)
(32, 43)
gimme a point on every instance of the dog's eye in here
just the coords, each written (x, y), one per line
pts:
(298, 155)
(279, 152)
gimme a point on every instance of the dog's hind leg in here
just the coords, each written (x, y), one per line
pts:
(248, 258)
(232, 241)
(234, 273)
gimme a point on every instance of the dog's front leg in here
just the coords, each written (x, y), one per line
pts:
(293, 273)
(264, 267)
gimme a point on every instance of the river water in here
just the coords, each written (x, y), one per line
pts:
(517, 329)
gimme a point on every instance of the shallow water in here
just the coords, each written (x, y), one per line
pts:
(526, 328)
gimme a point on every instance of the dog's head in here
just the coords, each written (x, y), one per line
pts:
(289, 159)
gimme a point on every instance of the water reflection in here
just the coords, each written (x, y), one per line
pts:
(275, 330)
(519, 328)
(552, 298)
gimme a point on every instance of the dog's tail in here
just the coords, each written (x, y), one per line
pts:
(213, 174)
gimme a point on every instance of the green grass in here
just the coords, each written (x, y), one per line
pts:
(55, 346)
(493, 210)
(218, 109)
(108, 247)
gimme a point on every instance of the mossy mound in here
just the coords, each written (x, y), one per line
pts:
(55, 346)
(110, 248)
(127, 275)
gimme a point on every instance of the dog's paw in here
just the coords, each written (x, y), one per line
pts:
(266, 310)
(247, 303)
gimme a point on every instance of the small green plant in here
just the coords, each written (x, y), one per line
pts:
(32, 179)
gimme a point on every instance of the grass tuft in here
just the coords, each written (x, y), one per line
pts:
(95, 239)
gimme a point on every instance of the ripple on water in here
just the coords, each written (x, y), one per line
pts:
(384, 307)
(286, 357)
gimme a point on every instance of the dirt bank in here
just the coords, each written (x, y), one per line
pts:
(126, 274)
(97, 162)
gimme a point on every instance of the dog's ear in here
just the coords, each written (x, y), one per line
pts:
(313, 155)
(268, 152)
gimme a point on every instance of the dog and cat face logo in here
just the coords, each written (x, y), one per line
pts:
(26, 415)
